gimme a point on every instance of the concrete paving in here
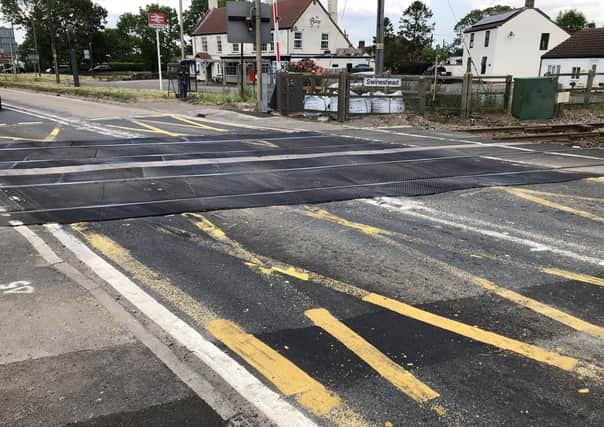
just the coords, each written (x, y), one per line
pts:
(480, 306)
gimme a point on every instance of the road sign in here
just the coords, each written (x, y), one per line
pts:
(381, 82)
(86, 54)
(241, 22)
(157, 20)
(32, 57)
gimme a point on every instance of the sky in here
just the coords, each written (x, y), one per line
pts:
(358, 17)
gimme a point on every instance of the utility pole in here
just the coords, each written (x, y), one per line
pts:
(74, 56)
(33, 28)
(182, 31)
(53, 45)
(379, 39)
(258, 56)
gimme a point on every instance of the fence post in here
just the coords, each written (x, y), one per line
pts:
(343, 95)
(421, 95)
(466, 96)
(589, 87)
(507, 97)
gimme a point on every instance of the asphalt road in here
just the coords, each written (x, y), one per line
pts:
(382, 277)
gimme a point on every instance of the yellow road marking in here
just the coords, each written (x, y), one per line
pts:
(52, 136)
(553, 205)
(532, 352)
(220, 122)
(560, 195)
(235, 249)
(392, 372)
(592, 280)
(600, 179)
(197, 124)
(146, 128)
(261, 143)
(198, 312)
(324, 215)
(312, 395)
(534, 305)
(287, 377)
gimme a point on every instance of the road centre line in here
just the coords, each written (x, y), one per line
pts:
(249, 387)
(592, 280)
(432, 215)
(79, 125)
(228, 160)
(515, 297)
(394, 373)
(538, 200)
(264, 265)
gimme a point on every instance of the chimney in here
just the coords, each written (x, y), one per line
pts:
(362, 44)
(212, 4)
(530, 4)
(332, 7)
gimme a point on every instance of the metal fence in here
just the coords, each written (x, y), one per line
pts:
(342, 96)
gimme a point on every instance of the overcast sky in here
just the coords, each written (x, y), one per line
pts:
(357, 17)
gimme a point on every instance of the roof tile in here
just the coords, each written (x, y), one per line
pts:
(587, 43)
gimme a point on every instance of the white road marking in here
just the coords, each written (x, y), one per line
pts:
(249, 387)
(43, 249)
(553, 153)
(437, 138)
(221, 160)
(21, 287)
(77, 124)
(531, 241)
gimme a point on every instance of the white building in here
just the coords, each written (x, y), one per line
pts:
(307, 30)
(582, 52)
(511, 43)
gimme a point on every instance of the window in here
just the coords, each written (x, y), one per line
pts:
(487, 38)
(469, 66)
(544, 44)
(325, 41)
(231, 69)
(204, 44)
(576, 73)
(553, 70)
(594, 67)
(472, 39)
(483, 65)
(219, 43)
(297, 40)
(235, 47)
(264, 47)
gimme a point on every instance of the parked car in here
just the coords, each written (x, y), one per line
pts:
(63, 69)
(103, 68)
(442, 71)
(8, 68)
(361, 68)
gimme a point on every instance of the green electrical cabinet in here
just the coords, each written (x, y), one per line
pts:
(534, 98)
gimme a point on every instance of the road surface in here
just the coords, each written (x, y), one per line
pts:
(333, 275)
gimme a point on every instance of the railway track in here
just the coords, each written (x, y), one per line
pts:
(561, 132)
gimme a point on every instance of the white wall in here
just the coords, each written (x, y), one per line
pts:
(566, 67)
(479, 50)
(518, 54)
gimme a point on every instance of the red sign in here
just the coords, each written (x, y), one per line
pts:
(157, 20)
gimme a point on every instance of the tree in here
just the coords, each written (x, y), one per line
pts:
(472, 18)
(141, 38)
(416, 29)
(87, 17)
(571, 20)
(194, 13)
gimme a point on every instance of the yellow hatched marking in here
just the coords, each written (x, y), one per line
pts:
(553, 205)
(197, 124)
(392, 372)
(532, 352)
(260, 143)
(592, 280)
(52, 136)
(600, 179)
(324, 215)
(235, 249)
(531, 304)
(286, 376)
(220, 122)
(560, 195)
(197, 311)
(146, 128)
